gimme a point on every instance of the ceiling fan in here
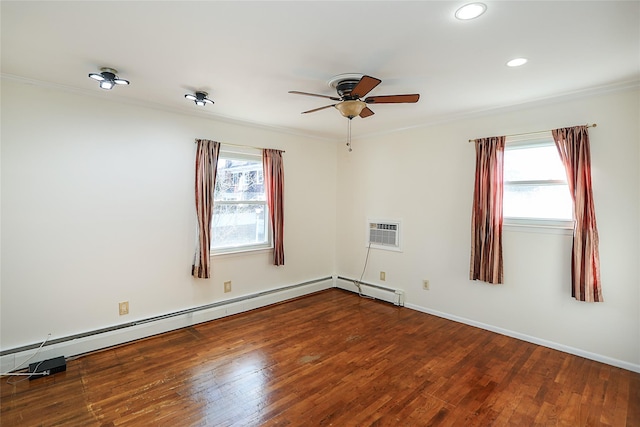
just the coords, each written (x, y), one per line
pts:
(351, 88)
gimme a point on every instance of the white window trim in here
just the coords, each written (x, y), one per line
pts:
(248, 154)
(536, 225)
(538, 139)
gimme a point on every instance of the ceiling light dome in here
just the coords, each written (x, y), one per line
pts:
(350, 108)
(200, 98)
(516, 62)
(108, 78)
(471, 11)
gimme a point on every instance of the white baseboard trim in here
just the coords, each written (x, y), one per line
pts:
(89, 341)
(534, 340)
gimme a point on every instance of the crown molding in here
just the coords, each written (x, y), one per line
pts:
(433, 121)
(177, 110)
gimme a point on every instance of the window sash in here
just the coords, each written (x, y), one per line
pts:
(541, 140)
(535, 182)
(241, 202)
(241, 154)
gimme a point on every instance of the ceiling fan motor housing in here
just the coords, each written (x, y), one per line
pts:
(344, 88)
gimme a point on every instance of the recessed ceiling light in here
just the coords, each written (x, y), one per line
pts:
(517, 62)
(470, 11)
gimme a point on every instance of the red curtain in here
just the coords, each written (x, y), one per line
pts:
(206, 164)
(574, 149)
(486, 218)
(274, 189)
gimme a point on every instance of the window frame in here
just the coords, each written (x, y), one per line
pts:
(242, 153)
(531, 224)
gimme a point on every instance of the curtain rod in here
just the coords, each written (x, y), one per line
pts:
(243, 146)
(533, 133)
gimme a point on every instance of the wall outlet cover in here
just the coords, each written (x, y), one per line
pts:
(123, 308)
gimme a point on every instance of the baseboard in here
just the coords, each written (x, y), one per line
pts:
(92, 340)
(120, 334)
(534, 340)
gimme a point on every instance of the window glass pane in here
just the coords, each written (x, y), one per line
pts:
(537, 201)
(533, 164)
(239, 180)
(238, 225)
(240, 213)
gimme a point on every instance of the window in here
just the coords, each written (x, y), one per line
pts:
(240, 212)
(535, 184)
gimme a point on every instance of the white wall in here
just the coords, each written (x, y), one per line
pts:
(424, 177)
(98, 208)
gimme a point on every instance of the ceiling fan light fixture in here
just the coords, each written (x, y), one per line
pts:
(108, 78)
(470, 11)
(199, 98)
(350, 108)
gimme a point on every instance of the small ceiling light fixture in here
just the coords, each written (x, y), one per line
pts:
(200, 98)
(470, 11)
(108, 78)
(516, 62)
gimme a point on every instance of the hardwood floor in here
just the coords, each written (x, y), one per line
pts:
(327, 359)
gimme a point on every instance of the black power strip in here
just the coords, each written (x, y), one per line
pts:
(47, 367)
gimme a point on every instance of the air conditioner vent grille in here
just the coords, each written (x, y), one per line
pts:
(384, 235)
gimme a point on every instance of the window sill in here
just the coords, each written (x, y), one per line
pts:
(527, 225)
(241, 251)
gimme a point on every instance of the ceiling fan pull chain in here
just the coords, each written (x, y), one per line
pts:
(349, 136)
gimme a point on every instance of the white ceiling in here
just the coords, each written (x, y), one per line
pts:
(248, 55)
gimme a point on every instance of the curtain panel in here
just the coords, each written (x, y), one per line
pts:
(274, 189)
(575, 153)
(206, 164)
(486, 217)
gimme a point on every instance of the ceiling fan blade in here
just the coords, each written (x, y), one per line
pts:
(315, 94)
(318, 109)
(366, 112)
(392, 99)
(364, 86)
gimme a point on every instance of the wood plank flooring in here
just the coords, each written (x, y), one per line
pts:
(327, 359)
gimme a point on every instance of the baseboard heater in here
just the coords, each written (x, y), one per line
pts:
(392, 295)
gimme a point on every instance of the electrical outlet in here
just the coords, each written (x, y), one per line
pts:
(425, 284)
(383, 276)
(227, 286)
(123, 308)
